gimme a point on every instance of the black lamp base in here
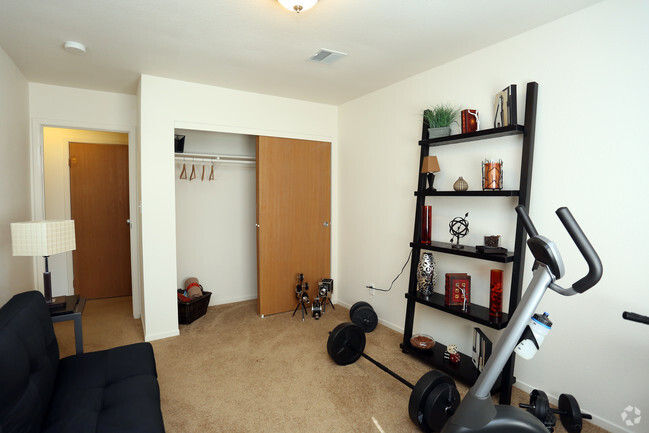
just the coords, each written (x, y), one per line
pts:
(52, 303)
(431, 178)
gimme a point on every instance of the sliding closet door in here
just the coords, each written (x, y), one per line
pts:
(293, 216)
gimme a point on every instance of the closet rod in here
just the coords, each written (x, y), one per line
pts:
(200, 157)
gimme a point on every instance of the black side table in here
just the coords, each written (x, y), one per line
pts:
(71, 311)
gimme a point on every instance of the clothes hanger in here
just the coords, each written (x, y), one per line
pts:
(212, 172)
(203, 173)
(192, 176)
(183, 173)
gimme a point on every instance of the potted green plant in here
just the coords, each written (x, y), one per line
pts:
(439, 119)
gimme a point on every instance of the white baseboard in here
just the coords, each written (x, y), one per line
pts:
(222, 301)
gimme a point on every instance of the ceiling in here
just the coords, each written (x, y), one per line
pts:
(257, 45)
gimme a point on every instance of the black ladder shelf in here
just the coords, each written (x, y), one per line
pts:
(465, 371)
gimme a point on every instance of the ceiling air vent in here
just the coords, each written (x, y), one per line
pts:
(326, 56)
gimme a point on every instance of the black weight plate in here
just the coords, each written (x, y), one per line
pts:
(441, 404)
(424, 386)
(357, 305)
(346, 343)
(540, 406)
(366, 318)
(570, 413)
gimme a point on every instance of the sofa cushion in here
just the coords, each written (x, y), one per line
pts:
(113, 390)
(29, 359)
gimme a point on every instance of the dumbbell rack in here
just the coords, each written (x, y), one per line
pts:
(465, 371)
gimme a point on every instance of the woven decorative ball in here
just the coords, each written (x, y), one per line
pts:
(460, 184)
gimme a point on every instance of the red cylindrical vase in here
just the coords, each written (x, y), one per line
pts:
(496, 293)
(426, 224)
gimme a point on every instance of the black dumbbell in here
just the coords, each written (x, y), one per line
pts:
(364, 316)
(569, 412)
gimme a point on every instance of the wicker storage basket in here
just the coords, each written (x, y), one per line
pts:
(192, 310)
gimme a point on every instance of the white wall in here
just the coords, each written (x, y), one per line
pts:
(165, 105)
(56, 182)
(16, 273)
(591, 154)
(215, 219)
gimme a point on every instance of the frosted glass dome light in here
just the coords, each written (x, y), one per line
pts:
(298, 5)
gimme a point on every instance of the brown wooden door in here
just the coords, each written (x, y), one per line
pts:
(99, 208)
(293, 217)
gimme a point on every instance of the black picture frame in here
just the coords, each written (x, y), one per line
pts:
(505, 107)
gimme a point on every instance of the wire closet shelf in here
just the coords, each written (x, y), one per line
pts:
(208, 159)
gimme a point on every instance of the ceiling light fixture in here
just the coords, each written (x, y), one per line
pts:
(298, 5)
(74, 47)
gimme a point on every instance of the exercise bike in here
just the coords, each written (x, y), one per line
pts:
(477, 412)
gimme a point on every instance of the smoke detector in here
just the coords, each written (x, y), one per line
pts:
(326, 56)
(74, 47)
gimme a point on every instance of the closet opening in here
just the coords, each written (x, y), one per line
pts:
(215, 214)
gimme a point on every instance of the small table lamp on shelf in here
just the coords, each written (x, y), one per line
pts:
(430, 166)
(44, 238)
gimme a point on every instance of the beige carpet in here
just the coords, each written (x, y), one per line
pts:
(231, 371)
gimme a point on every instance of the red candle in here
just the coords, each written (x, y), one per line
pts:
(496, 293)
(426, 224)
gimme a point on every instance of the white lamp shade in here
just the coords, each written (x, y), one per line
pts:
(298, 5)
(42, 238)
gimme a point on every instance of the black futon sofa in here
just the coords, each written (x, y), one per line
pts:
(114, 390)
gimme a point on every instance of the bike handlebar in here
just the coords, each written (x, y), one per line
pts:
(635, 317)
(579, 238)
(527, 222)
(585, 248)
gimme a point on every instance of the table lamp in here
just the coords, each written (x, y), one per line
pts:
(44, 238)
(430, 166)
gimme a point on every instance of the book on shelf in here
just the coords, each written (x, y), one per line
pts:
(512, 105)
(469, 120)
(457, 287)
(505, 107)
(481, 349)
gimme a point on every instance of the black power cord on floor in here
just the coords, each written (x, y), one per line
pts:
(395, 278)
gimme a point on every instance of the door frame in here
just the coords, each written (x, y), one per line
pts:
(38, 194)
